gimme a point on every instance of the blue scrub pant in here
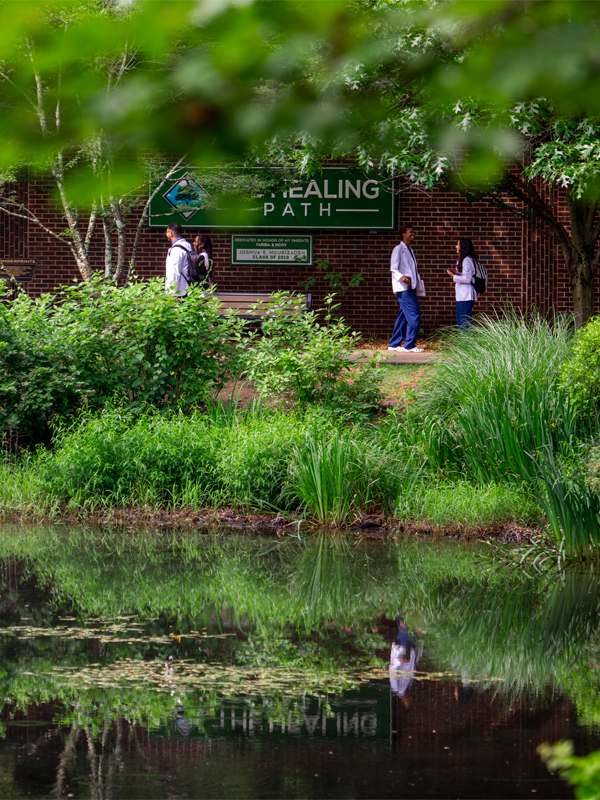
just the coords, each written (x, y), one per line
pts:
(399, 331)
(464, 313)
(409, 306)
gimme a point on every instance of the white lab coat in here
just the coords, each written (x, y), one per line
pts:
(404, 263)
(463, 284)
(177, 267)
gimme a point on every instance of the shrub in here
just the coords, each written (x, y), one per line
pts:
(96, 340)
(580, 375)
(303, 361)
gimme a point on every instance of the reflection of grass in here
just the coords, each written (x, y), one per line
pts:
(290, 600)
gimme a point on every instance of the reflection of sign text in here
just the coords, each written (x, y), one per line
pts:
(337, 723)
(264, 249)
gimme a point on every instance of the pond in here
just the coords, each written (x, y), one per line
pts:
(222, 665)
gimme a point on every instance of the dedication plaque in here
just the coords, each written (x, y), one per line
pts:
(21, 269)
(269, 249)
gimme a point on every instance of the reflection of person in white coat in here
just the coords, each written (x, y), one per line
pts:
(177, 264)
(463, 276)
(405, 280)
(404, 658)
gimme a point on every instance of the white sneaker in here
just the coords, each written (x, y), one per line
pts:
(401, 349)
(414, 350)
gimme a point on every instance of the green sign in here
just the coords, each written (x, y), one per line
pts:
(268, 249)
(339, 198)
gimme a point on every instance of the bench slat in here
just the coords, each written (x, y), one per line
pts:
(242, 302)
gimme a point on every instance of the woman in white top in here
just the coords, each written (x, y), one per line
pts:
(203, 246)
(463, 276)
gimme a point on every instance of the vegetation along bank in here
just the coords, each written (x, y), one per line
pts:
(109, 406)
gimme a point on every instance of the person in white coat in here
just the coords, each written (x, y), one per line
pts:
(463, 275)
(177, 264)
(405, 279)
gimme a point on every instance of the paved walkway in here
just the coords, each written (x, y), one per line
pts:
(395, 357)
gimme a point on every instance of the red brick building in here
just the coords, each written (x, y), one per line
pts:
(525, 266)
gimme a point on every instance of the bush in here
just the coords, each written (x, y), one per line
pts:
(95, 340)
(581, 373)
(303, 361)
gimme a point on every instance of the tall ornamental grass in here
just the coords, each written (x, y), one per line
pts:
(504, 413)
(497, 396)
(335, 474)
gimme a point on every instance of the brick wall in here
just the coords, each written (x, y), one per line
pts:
(524, 263)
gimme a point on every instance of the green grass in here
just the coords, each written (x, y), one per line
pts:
(463, 506)
(398, 379)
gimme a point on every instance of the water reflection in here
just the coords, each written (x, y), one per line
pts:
(229, 666)
(405, 653)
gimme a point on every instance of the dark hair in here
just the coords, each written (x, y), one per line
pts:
(466, 250)
(206, 245)
(176, 228)
(405, 228)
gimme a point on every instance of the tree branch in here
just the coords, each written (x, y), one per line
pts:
(144, 215)
(31, 217)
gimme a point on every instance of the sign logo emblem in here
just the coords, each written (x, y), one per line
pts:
(185, 196)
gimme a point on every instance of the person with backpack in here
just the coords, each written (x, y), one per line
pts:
(463, 276)
(203, 269)
(178, 261)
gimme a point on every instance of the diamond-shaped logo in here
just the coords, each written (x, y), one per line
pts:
(186, 196)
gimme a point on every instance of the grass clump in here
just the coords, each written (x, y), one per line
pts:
(463, 506)
(336, 474)
(502, 415)
(498, 399)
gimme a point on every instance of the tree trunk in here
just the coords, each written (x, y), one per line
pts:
(582, 287)
(580, 256)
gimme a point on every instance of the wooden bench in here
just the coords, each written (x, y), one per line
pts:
(242, 302)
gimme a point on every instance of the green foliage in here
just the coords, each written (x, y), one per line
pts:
(499, 413)
(304, 361)
(499, 405)
(572, 511)
(338, 474)
(121, 458)
(463, 506)
(95, 341)
(582, 772)
(581, 373)
(334, 280)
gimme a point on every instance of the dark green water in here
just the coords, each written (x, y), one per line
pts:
(199, 665)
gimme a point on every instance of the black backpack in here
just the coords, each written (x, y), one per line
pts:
(480, 279)
(197, 272)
